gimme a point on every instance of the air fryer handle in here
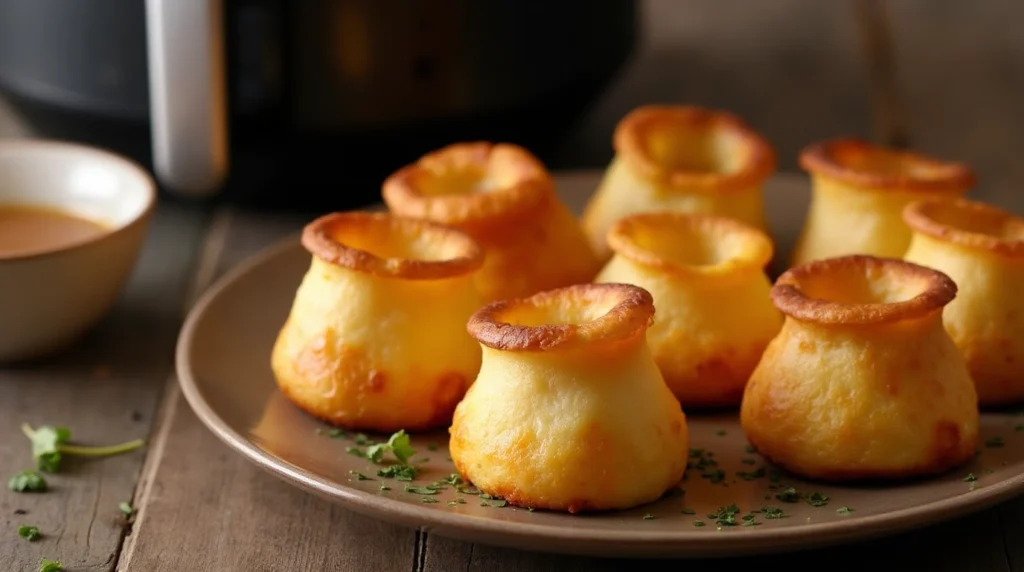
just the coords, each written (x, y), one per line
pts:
(187, 94)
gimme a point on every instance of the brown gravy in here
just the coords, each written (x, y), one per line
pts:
(28, 229)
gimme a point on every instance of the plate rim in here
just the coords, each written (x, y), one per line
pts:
(557, 539)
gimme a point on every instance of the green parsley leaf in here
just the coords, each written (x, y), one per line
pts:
(432, 447)
(401, 447)
(337, 433)
(428, 500)
(398, 472)
(844, 510)
(970, 477)
(698, 523)
(726, 515)
(126, 508)
(420, 490)
(772, 512)
(50, 565)
(788, 495)
(375, 453)
(384, 487)
(817, 499)
(27, 481)
(30, 533)
(688, 511)
(648, 516)
(751, 475)
(499, 503)
(359, 476)
(50, 443)
(454, 479)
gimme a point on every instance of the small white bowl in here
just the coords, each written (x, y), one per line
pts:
(49, 299)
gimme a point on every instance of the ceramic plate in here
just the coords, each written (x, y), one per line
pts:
(223, 364)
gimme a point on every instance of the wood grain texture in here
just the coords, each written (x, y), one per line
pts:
(970, 544)
(231, 515)
(105, 389)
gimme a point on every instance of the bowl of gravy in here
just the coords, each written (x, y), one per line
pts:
(72, 222)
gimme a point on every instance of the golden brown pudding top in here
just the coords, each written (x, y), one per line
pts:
(390, 246)
(693, 148)
(968, 223)
(470, 182)
(684, 243)
(861, 289)
(863, 164)
(571, 317)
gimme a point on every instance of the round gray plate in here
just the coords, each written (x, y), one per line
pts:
(223, 366)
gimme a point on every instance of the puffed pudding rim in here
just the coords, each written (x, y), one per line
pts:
(629, 140)
(630, 314)
(849, 160)
(787, 295)
(756, 248)
(532, 184)
(319, 237)
(921, 215)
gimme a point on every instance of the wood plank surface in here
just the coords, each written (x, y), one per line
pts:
(105, 389)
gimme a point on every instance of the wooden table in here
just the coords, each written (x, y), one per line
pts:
(946, 77)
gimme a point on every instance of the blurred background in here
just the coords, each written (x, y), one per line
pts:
(324, 98)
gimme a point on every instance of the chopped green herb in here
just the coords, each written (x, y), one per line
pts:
(751, 519)
(751, 475)
(844, 510)
(817, 499)
(750, 449)
(467, 490)
(995, 442)
(355, 451)
(50, 443)
(725, 516)
(771, 512)
(748, 461)
(714, 475)
(499, 503)
(972, 487)
(454, 479)
(398, 472)
(673, 493)
(30, 533)
(485, 496)
(359, 476)
(420, 490)
(428, 500)
(50, 565)
(720, 432)
(384, 487)
(970, 478)
(337, 433)
(788, 495)
(126, 508)
(648, 516)
(530, 509)
(688, 511)
(451, 503)
(698, 523)
(27, 482)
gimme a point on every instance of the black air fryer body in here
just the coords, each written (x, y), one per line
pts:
(325, 97)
